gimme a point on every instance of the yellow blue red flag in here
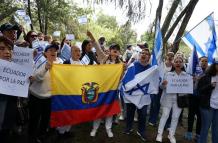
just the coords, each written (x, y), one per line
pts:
(84, 93)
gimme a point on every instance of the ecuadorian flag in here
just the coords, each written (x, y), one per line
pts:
(84, 93)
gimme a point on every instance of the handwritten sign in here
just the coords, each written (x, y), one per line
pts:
(14, 79)
(23, 56)
(181, 84)
(83, 19)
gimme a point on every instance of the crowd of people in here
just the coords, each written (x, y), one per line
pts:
(203, 103)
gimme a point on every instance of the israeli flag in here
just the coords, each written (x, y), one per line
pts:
(85, 60)
(157, 52)
(65, 52)
(139, 82)
(194, 67)
(203, 37)
(158, 46)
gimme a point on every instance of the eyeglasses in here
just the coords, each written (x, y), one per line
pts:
(33, 36)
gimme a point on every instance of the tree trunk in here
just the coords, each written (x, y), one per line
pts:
(30, 14)
(183, 25)
(169, 17)
(39, 14)
(159, 11)
(172, 28)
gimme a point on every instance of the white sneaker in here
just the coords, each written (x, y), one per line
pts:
(172, 139)
(93, 132)
(159, 138)
(121, 118)
(135, 119)
(109, 133)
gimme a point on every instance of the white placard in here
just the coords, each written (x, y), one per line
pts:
(21, 12)
(23, 56)
(57, 33)
(14, 79)
(70, 37)
(181, 84)
(83, 19)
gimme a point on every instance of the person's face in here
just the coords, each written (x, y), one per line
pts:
(11, 34)
(204, 63)
(41, 37)
(67, 41)
(170, 57)
(144, 56)
(5, 52)
(33, 36)
(51, 54)
(114, 52)
(76, 54)
(89, 47)
(178, 64)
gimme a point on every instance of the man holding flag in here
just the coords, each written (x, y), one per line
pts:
(136, 86)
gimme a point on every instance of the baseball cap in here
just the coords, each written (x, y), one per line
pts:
(145, 45)
(8, 26)
(51, 46)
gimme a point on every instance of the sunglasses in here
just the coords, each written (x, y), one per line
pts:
(33, 36)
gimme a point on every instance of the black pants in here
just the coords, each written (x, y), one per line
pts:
(194, 110)
(40, 110)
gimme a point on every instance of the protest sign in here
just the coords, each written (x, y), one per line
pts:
(83, 19)
(179, 84)
(57, 33)
(23, 56)
(14, 79)
(66, 52)
(70, 37)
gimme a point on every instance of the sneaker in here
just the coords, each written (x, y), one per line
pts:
(188, 136)
(135, 119)
(121, 118)
(128, 132)
(109, 133)
(142, 136)
(172, 139)
(93, 133)
(159, 138)
(151, 124)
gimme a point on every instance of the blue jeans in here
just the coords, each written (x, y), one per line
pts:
(130, 109)
(155, 108)
(209, 118)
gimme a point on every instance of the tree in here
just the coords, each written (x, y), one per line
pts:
(166, 29)
(7, 8)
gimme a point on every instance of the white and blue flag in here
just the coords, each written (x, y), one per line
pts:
(194, 67)
(158, 46)
(203, 37)
(139, 82)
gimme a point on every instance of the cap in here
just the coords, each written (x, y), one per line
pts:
(51, 46)
(145, 45)
(8, 26)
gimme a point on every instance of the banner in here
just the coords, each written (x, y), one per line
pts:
(84, 93)
(14, 79)
(181, 84)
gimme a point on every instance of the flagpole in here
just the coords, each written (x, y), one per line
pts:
(193, 28)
